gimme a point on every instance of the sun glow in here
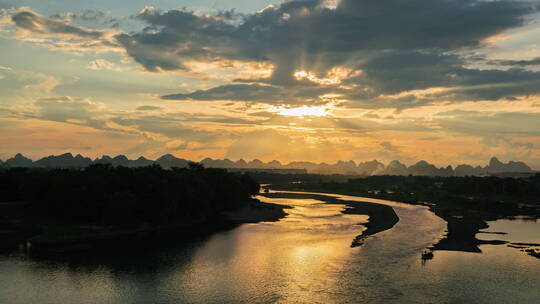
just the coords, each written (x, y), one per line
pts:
(302, 111)
(335, 76)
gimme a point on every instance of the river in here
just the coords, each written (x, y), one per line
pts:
(303, 258)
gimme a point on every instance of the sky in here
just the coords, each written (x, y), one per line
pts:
(447, 81)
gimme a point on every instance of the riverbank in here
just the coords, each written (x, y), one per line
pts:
(461, 234)
(256, 212)
(463, 222)
(381, 217)
(49, 236)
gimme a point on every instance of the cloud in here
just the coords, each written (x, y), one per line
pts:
(415, 78)
(19, 84)
(398, 54)
(148, 108)
(30, 21)
(4, 71)
(237, 92)
(396, 45)
(66, 109)
(312, 29)
(525, 145)
(520, 63)
(102, 64)
(159, 128)
(340, 124)
(167, 126)
(57, 32)
(492, 124)
(92, 15)
(389, 146)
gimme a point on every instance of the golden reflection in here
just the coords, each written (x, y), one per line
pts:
(298, 256)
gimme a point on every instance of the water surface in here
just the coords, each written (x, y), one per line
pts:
(304, 258)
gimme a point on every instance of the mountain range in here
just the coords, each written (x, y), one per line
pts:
(373, 167)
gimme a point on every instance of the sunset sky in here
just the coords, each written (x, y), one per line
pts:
(448, 81)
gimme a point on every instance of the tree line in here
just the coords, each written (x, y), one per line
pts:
(121, 196)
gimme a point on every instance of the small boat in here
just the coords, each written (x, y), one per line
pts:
(427, 255)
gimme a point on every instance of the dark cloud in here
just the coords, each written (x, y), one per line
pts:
(296, 31)
(400, 46)
(519, 63)
(148, 108)
(393, 72)
(240, 92)
(419, 24)
(397, 46)
(33, 22)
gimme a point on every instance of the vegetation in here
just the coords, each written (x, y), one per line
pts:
(454, 195)
(296, 178)
(126, 197)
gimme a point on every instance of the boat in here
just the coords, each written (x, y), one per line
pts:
(427, 255)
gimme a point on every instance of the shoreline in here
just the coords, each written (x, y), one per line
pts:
(256, 212)
(381, 217)
(40, 241)
(460, 233)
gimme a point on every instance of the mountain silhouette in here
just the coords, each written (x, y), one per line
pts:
(19, 161)
(496, 166)
(395, 168)
(374, 167)
(65, 160)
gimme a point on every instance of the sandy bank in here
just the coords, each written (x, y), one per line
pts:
(256, 212)
(381, 217)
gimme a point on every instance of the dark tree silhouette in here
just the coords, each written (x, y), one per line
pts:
(121, 196)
